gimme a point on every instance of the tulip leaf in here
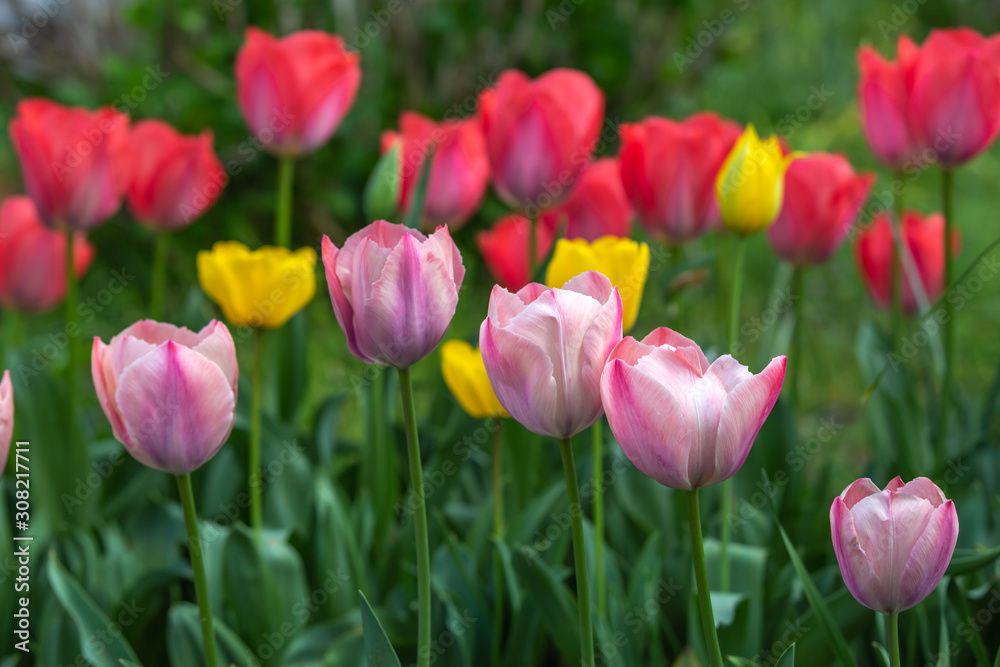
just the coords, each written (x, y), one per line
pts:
(378, 649)
(965, 561)
(881, 655)
(787, 658)
(420, 194)
(511, 588)
(384, 184)
(186, 648)
(957, 597)
(89, 619)
(816, 602)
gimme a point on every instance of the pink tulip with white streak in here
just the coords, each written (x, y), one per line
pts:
(169, 393)
(6, 418)
(544, 350)
(684, 422)
(893, 545)
(394, 291)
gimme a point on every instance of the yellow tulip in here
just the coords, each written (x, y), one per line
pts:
(750, 186)
(258, 288)
(624, 261)
(464, 373)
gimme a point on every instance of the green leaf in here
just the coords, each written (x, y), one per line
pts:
(378, 649)
(420, 194)
(512, 588)
(724, 606)
(881, 654)
(969, 560)
(90, 621)
(285, 350)
(833, 634)
(787, 658)
(185, 646)
(382, 189)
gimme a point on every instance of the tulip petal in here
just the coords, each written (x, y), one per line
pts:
(178, 405)
(929, 556)
(858, 489)
(747, 406)
(855, 566)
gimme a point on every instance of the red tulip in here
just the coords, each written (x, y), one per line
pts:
(924, 238)
(884, 102)
(33, 258)
(459, 173)
(954, 94)
(669, 168)
(822, 198)
(74, 161)
(176, 177)
(596, 207)
(505, 249)
(540, 134)
(293, 92)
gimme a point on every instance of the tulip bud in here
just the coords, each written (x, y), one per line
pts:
(394, 291)
(681, 421)
(176, 178)
(596, 207)
(751, 183)
(75, 162)
(459, 172)
(6, 418)
(544, 350)
(258, 288)
(504, 248)
(465, 374)
(169, 393)
(668, 169)
(924, 242)
(822, 198)
(294, 92)
(33, 258)
(624, 262)
(954, 94)
(893, 546)
(540, 134)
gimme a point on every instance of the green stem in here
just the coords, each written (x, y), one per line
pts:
(941, 446)
(198, 564)
(498, 536)
(420, 522)
(701, 578)
(579, 555)
(283, 214)
(159, 286)
(893, 631)
(727, 485)
(602, 590)
(256, 480)
(795, 352)
(897, 277)
(72, 330)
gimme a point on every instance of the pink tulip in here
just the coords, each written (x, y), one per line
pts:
(884, 102)
(668, 169)
(954, 94)
(75, 162)
(924, 238)
(6, 418)
(596, 207)
(176, 178)
(294, 92)
(459, 173)
(544, 350)
(169, 393)
(893, 546)
(33, 258)
(540, 134)
(681, 421)
(822, 198)
(394, 291)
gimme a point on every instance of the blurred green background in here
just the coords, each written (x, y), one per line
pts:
(753, 61)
